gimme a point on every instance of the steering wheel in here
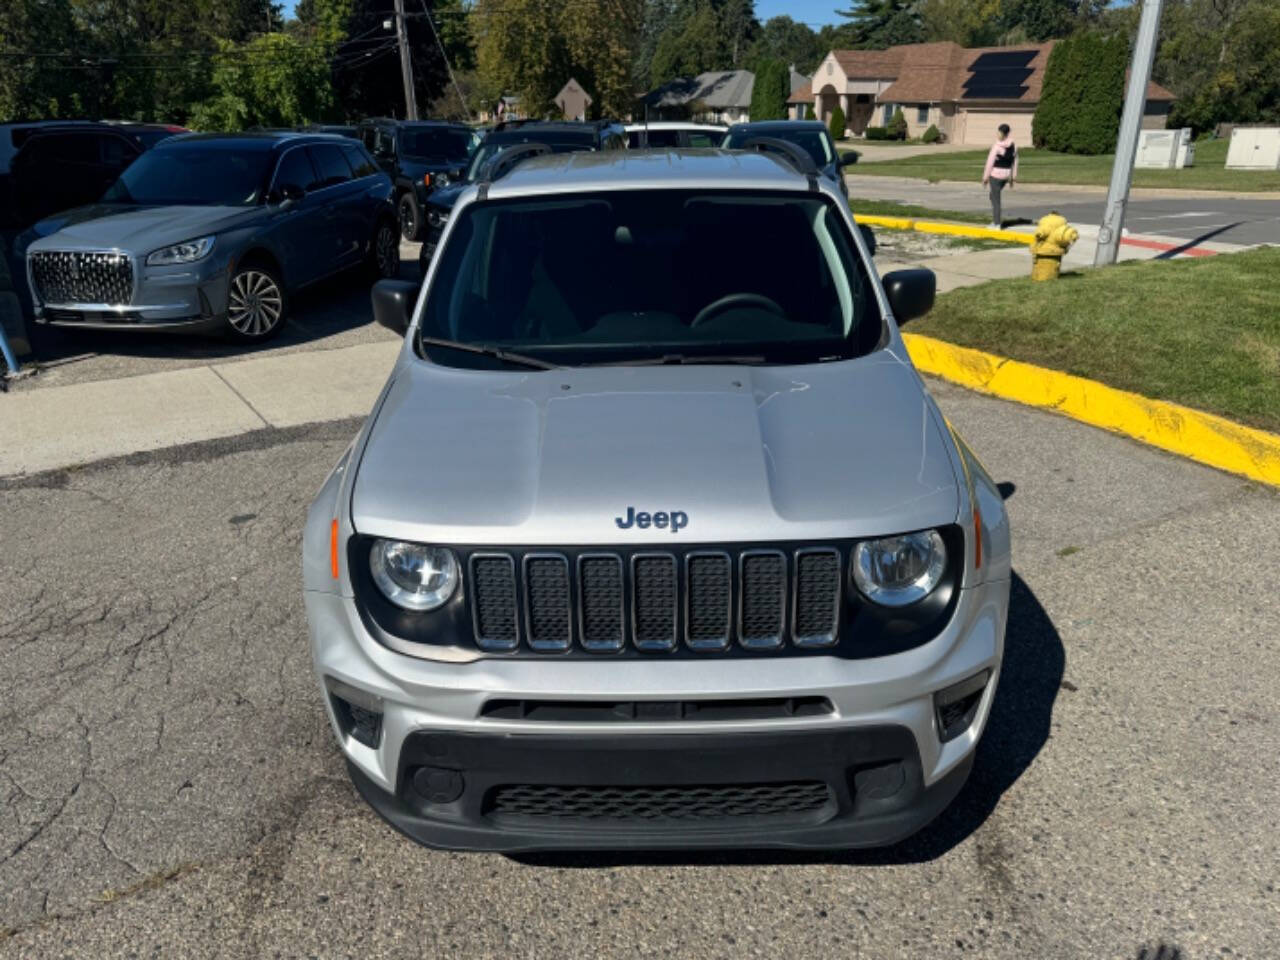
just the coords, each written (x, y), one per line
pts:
(737, 300)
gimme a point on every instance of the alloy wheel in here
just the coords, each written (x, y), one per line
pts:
(256, 304)
(387, 250)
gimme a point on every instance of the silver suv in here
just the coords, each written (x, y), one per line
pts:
(654, 537)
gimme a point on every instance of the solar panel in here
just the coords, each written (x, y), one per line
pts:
(999, 75)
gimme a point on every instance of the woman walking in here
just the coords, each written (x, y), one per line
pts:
(1001, 170)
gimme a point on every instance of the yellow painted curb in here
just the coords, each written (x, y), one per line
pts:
(946, 229)
(1203, 437)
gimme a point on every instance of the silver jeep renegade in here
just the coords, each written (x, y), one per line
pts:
(654, 537)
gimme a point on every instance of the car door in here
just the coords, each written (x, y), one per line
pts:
(342, 203)
(298, 224)
(373, 191)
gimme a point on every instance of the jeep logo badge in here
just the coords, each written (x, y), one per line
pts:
(673, 520)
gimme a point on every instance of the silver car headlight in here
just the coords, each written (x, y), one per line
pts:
(412, 575)
(897, 571)
(188, 251)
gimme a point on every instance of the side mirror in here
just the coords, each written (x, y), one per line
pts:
(393, 302)
(868, 237)
(910, 292)
(288, 194)
(849, 158)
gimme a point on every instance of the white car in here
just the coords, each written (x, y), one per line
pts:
(668, 134)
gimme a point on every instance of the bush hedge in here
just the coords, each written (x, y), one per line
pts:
(808, 112)
(932, 135)
(898, 125)
(877, 133)
(836, 124)
(1083, 94)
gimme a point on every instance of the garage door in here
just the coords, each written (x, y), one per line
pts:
(980, 126)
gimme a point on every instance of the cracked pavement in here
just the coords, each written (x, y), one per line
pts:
(169, 785)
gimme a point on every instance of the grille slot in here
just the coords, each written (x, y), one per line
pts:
(601, 612)
(661, 804)
(75, 277)
(547, 604)
(763, 595)
(653, 577)
(816, 607)
(493, 578)
(708, 600)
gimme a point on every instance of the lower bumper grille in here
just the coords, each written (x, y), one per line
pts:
(660, 804)
(73, 276)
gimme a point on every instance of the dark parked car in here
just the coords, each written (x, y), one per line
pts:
(48, 167)
(214, 232)
(420, 156)
(559, 137)
(810, 135)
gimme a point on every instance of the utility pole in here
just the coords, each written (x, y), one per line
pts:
(1135, 104)
(406, 64)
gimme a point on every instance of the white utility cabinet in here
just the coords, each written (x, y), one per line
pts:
(1254, 148)
(1165, 149)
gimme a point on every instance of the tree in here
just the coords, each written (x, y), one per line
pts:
(877, 24)
(897, 126)
(1041, 20)
(276, 80)
(781, 38)
(970, 23)
(770, 92)
(1083, 95)
(836, 124)
(690, 46)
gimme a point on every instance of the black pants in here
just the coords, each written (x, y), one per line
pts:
(997, 185)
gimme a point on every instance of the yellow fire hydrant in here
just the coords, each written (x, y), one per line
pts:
(1054, 237)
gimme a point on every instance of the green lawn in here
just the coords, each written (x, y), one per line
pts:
(1203, 332)
(890, 208)
(1045, 166)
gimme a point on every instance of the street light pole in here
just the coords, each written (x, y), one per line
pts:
(406, 64)
(1135, 104)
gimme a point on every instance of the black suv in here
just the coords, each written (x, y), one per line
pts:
(419, 156)
(558, 137)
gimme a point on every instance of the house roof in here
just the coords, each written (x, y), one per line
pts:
(869, 64)
(798, 80)
(572, 88)
(803, 94)
(717, 89)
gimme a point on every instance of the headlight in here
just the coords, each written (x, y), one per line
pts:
(412, 575)
(186, 252)
(896, 571)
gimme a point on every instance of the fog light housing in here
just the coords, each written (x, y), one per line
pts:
(359, 716)
(956, 706)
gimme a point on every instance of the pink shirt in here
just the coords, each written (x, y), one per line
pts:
(1000, 173)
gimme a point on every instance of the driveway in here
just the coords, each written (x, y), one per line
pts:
(1197, 216)
(169, 785)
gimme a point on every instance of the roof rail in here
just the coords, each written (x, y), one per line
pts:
(505, 162)
(796, 156)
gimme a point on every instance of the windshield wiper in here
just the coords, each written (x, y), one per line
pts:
(680, 358)
(518, 359)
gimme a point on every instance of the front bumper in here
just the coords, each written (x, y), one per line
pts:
(434, 715)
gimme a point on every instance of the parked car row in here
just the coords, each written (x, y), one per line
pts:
(215, 232)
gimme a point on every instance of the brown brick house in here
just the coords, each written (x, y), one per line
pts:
(966, 92)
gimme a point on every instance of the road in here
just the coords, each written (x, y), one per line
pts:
(1224, 218)
(169, 785)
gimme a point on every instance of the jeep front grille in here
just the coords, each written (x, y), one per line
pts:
(656, 601)
(82, 277)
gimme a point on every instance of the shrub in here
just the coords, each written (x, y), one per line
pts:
(898, 125)
(877, 133)
(809, 114)
(836, 124)
(769, 93)
(1083, 96)
(932, 135)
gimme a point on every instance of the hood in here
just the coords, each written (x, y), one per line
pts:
(415, 167)
(132, 227)
(446, 197)
(745, 453)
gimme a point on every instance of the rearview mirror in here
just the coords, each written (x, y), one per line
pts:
(911, 293)
(393, 302)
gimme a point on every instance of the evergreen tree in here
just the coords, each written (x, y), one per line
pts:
(1080, 106)
(877, 24)
(770, 92)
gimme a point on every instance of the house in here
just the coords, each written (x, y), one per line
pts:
(801, 95)
(720, 96)
(966, 92)
(573, 101)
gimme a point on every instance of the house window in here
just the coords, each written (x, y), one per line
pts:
(830, 68)
(922, 114)
(888, 113)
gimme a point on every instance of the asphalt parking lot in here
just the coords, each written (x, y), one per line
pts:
(169, 785)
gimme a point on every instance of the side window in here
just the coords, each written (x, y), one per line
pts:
(368, 136)
(295, 170)
(633, 139)
(331, 166)
(384, 144)
(361, 164)
(116, 152)
(701, 140)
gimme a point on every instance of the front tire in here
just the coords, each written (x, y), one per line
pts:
(257, 306)
(410, 216)
(384, 253)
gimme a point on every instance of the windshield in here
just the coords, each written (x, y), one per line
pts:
(812, 142)
(642, 275)
(193, 175)
(488, 150)
(441, 144)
